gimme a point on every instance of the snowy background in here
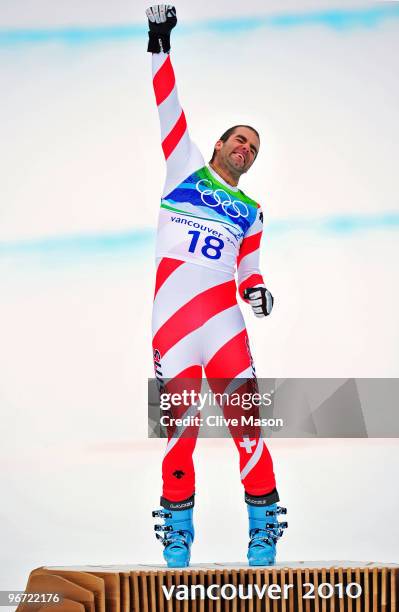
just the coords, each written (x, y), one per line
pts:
(81, 175)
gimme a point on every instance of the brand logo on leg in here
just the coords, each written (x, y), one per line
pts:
(157, 363)
(255, 386)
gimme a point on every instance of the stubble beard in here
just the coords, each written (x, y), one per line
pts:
(229, 165)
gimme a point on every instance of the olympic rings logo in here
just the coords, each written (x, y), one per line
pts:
(219, 197)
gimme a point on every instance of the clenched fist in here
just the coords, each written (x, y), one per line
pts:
(260, 300)
(161, 21)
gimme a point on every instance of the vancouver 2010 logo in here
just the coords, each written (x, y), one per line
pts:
(219, 197)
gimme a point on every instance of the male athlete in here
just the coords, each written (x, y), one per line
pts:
(207, 229)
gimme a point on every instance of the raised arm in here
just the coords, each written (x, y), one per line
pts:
(250, 280)
(181, 154)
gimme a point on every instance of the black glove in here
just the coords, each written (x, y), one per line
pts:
(161, 21)
(260, 299)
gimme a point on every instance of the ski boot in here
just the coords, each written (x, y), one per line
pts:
(264, 533)
(178, 535)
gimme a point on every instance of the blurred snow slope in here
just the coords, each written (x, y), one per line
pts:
(80, 151)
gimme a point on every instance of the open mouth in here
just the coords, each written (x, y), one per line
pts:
(239, 156)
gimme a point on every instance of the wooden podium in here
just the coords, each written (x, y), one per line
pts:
(287, 587)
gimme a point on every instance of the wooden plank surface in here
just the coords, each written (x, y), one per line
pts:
(66, 606)
(112, 590)
(43, 582)
(95, 584)
(109, 590)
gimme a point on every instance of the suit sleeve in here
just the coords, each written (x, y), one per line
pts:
(248, 272)
(182, 156)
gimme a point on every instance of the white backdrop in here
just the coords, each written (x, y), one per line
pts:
(82, 172)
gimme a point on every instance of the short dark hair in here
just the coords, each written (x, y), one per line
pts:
(226, 135)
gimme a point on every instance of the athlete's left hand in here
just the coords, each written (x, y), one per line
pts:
(260, 300)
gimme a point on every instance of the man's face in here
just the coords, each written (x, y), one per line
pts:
(239, 151)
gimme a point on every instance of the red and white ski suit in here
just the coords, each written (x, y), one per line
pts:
(197, 323)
